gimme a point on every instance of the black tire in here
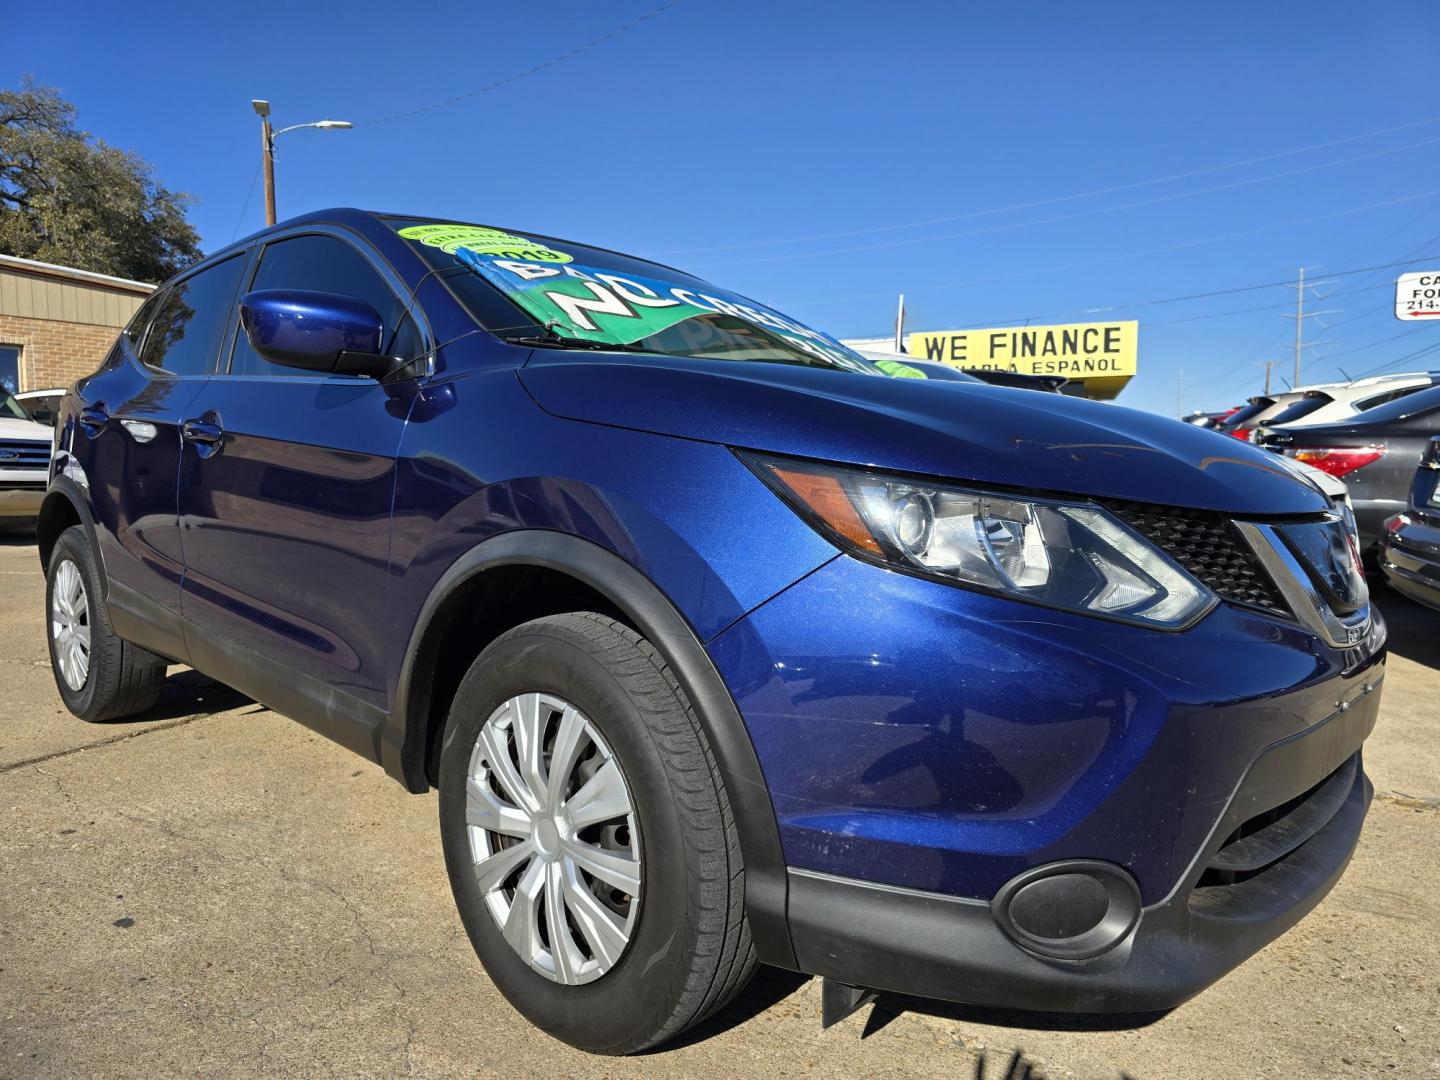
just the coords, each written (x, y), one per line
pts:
(690, 950)
(122, 679)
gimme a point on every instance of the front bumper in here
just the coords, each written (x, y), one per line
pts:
(21, 501)
(924, 746)
(1410, 557)
(943, 947)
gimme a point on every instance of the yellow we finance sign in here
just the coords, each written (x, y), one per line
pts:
(1102, 356)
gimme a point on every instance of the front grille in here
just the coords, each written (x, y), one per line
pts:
(1207, 545)
(24, 454)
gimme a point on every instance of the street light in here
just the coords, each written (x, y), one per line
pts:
(268, 136)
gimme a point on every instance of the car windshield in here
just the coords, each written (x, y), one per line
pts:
(1400, 408)
(1296, 409)
(10, 408)
(568, 295)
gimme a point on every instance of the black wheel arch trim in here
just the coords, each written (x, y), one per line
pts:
(403, 739)
(66, 489)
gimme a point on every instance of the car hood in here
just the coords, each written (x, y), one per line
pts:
(959, 431)
(25, 429)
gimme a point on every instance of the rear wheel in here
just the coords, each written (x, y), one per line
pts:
(99, 675)
(589, 838)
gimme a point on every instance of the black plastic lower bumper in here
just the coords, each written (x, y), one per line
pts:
(945, 947)
(1410, 558)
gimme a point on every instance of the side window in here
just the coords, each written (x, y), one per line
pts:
(1382, 399)
(320, 264)
(190, 318)
(135, 328)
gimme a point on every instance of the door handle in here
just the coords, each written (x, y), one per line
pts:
(93, 418)
(205, 430)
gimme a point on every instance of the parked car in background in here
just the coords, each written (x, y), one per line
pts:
(41, 405)
(1242, 421)
(1410, 544)
(1335, 403)
(24, 460)
(1210, 420)
(1374, 452)
(903, 365)
(933, 369)
(1047, 384)
(722, 644)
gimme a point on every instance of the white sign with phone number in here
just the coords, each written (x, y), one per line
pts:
(1417, 296)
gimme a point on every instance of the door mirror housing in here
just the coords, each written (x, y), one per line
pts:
(328, 333)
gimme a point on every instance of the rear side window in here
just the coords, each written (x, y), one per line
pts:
(1245, 412)
(135, 328)
(1297, 409)
(189, 319)
(1393, 395)
(1422, 402)
(319, 264)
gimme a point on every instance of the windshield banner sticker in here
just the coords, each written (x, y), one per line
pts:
(595, 305)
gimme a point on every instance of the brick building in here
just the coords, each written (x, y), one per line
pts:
(57, 323)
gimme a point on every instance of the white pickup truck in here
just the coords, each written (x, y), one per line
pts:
(24, 460)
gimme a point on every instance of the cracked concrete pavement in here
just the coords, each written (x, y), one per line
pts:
(212, 890)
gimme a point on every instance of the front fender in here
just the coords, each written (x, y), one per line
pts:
(656, 618)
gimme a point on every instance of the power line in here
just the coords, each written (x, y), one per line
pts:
(1057, 198)
(1172, 197)
(552, 62)
(1136, 254)
(1371, 344)
(1422, 351)
(1150, 324)
(245, 205)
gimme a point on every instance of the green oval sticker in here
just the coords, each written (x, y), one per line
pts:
(483, 241)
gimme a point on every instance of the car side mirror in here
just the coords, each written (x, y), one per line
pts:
(323, 332)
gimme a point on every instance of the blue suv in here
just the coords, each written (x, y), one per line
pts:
(722, 643)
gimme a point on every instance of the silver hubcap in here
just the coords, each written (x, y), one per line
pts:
(554, 838)
(70, 625)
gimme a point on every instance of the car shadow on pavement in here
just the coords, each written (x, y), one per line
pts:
(769, 987)
(1414, 628)
(187, 693)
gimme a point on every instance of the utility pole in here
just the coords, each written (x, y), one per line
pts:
(1299, 322)
(267, 145)
(1180, 395)
(1300, 316)
(1269, 366)
(900, 325)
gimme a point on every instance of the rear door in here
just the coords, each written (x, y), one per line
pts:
(285, 497)
(126, 445)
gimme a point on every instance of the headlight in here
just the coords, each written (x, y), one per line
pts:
(1065, 555)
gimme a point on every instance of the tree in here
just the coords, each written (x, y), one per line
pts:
(69, 198)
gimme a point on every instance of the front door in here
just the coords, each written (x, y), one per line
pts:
(285, 497)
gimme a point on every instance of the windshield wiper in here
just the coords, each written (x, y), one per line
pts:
(560, 341)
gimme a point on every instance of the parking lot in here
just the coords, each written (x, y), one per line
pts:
(214, 890)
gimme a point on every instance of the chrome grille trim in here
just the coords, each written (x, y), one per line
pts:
(1299, 591)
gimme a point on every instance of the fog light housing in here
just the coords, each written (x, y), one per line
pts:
(1072, 910)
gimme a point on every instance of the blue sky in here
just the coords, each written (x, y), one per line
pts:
(791, 152)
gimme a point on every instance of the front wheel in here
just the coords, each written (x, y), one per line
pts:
(589, 838)
(99, 675)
